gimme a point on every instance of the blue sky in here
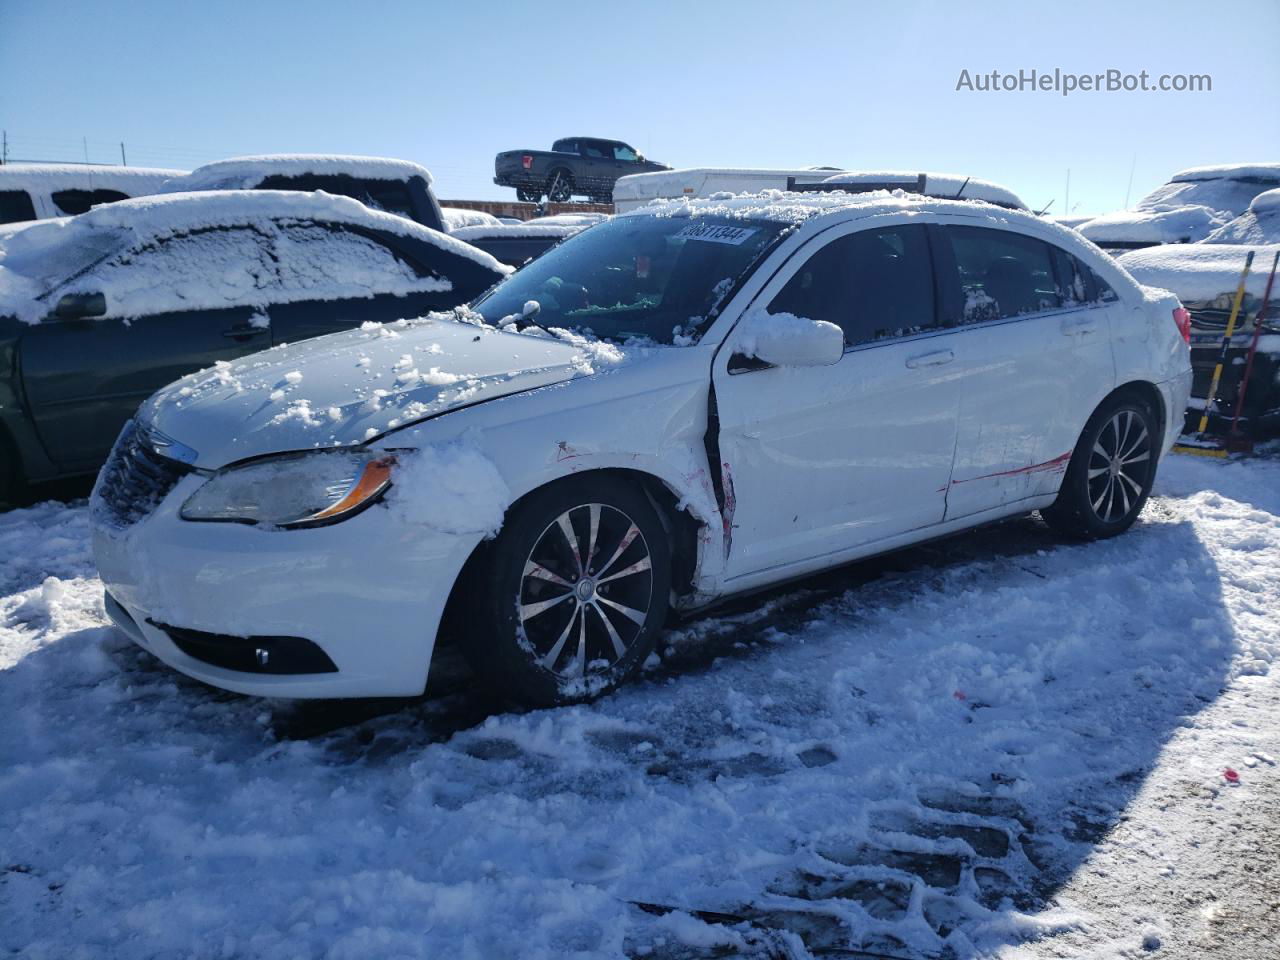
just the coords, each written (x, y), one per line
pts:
(745, 83)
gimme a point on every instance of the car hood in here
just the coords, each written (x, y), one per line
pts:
(1185, 224)
(348, 388)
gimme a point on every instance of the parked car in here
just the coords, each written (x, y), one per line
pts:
(739, 392)
(392, 186)
(1192, 205)
(100, 310)
(518, 243)
(38, 191)
(1205, 277)
(575, 166)
(706, 182)
(380, 183)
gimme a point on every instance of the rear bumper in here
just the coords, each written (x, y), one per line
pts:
(1176, 392)
(367, 594)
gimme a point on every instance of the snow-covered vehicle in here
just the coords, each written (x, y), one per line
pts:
(681, 403)
(39, 191)
(392, 186)
(1187, 209)
(100, 310)
(702, 182)
(1205, 276)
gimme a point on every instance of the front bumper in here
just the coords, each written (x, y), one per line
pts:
(368, 592)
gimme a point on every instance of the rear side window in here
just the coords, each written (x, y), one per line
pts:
(391, 196)
(1077, 284)
(75, 202)
(16, 205)
(565, 146)
(599, 151)
(1002, 274)
(326, 262)
(874, 285)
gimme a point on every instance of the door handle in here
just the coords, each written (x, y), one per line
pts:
(244, 332)
(935, 359)
(1078, 326)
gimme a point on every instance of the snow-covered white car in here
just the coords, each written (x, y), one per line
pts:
(39, 191)
(1191, 206)
(681, 403)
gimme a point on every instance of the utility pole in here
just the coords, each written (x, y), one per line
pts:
(4, 150)
(1129, 188)
(85, 141)
(123, 161)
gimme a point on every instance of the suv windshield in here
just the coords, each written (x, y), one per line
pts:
(654, 277)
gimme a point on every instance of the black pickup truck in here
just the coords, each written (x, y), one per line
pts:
(574, 166)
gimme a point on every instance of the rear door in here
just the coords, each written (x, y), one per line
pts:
(334, 277)
(1037, 360)
(172, 307)
(818, 460)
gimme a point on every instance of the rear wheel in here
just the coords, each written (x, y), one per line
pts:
(574, 593)
(528, 196)
(560, 186)
(11, 485)
(1111, 471)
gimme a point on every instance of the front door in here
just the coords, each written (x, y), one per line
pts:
(820, 460)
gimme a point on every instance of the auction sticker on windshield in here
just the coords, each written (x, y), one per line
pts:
(715, 233)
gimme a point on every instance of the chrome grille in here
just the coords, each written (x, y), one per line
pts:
(134, 480)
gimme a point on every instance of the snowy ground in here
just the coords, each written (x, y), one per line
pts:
(997, 745)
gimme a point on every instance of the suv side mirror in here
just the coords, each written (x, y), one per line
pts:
(80, 306)
(785, 340)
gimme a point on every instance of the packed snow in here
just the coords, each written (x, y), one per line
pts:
(1259, 224)
(38, 257)
(453, 488)
(952, 751)
(1200, 271)
(245, 173)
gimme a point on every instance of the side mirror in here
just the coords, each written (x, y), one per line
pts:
(785, 340)
(80, 306)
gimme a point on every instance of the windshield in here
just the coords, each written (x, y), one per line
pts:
(654, 277)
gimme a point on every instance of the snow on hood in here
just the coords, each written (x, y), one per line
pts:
(944, 186)
(245, 173)
(79, 176)
(516, 231)
(456, 218)
(1183, 224)
(1259, 224)
(45, 253)
(1199, 271)
(347, 388)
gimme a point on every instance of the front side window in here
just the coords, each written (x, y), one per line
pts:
(203, 270)
(75, 202)
(1002, 274)
(659, 278)
(625, 153)
(874, 285)
(16, 206)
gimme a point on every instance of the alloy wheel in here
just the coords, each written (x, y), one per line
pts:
(1119, 466)
(585, 591)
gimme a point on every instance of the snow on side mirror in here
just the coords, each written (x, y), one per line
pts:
(785, 340)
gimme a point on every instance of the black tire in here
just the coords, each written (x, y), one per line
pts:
(13, 491)
(559, 186)
(528, 196)
(548, 634)
(1111, 471)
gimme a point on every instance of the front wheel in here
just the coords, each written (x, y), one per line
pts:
(1111, 471)
(575, 591)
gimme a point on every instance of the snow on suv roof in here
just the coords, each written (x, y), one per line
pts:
(940, 185)
(1229, 171)
(245, 173)
(1259, 224)
(80, 176)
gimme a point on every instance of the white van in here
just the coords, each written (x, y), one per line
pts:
(38, 191)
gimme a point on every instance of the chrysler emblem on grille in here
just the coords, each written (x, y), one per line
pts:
(166, 446)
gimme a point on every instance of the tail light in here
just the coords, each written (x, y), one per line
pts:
(526, 161)
(1182, 317)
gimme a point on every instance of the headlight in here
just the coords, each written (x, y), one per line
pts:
(299, 490)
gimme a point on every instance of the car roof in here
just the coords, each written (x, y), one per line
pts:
(1229, 171)
(82, 176)
(245, 173)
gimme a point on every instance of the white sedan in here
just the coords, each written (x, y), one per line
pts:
(684, 402)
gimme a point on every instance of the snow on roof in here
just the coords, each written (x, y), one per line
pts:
(941, 185)
(1199, 271)
(700, 181)
(80, 176)
(1181, 224)
(569, 219)
(245, 173)
(1259, 224)
(48, 251)
(455, 218)
(1074, 220)
(1229, 171)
